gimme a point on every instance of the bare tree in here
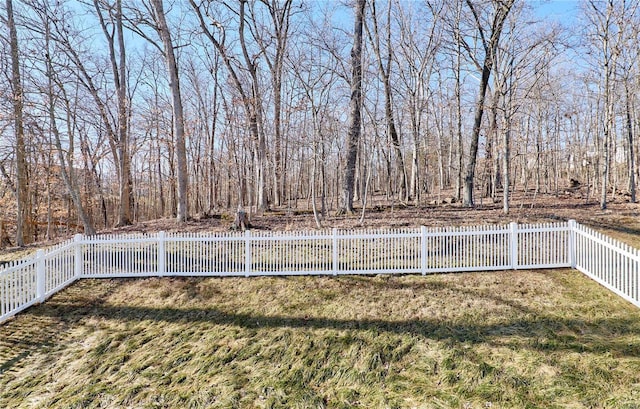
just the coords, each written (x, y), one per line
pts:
(114, 33)
(67, 170)
(384, 69)
(520, 66)
(353, 135)
(251, 97)
(490, 39)
(627, 17)
(604, 21)
(280, 16)
(24, 233)
(415, 54)
(115, 126)
(162, 29)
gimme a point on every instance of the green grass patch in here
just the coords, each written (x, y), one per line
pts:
(545, 339)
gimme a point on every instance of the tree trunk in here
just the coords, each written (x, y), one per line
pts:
(24, 226)
(178, 116)
(388, 101)
(505, 166)
(475, 136)
(490, 49)
(118, 68)
(280, 19)
(631, 155)
(125, 191)
(460, 151)
(353, 137)
(316, 217)
(255, 120)
(606, 146)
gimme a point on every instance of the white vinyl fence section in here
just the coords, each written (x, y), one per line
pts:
(333, 252)
(422, 250)
(32, 280)
(610, 262)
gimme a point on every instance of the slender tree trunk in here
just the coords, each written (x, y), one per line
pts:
(506, 141)
(490, 48)
(316, 217)
(631, 157)
(388, 100)
(460, 151)
(606, 141)
(492, 140)
(119, 147)
(353, 137)
(475, 137)
(212, 185)
(413, 190)
(118, 67)
(255, 119)
(24, 232)
(323, 193)
(126, 191)
(178, 115)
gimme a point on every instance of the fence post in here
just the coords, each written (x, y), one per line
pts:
(334, 257)
(41, 277)
(513, 234)
(79, 261)
(247, 253)
(423, 250)
(572, 243)
(162, 254)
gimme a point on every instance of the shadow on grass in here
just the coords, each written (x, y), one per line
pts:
(545, 334)
(44, 326)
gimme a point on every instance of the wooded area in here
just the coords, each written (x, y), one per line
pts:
(116, 112)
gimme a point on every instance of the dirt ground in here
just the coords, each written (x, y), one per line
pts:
(621, 219)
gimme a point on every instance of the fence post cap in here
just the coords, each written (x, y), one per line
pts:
(162, 234)
(78, 237)
(39, 253)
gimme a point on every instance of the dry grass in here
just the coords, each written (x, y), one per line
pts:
(545, 339)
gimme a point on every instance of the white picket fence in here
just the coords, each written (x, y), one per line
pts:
(32, 280)
(423, 250)
(610, 262)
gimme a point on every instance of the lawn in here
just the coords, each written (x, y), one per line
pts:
(515, 339)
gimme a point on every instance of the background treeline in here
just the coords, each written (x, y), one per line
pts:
(117, 111)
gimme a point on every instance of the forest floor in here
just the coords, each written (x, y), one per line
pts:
(621, 219)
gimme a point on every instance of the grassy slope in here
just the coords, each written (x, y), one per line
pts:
(502, 340)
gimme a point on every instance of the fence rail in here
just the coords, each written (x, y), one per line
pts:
(423, 250)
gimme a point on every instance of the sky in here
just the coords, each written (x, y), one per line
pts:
(562, 10)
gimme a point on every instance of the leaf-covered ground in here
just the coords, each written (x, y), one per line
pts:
(516, 339)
